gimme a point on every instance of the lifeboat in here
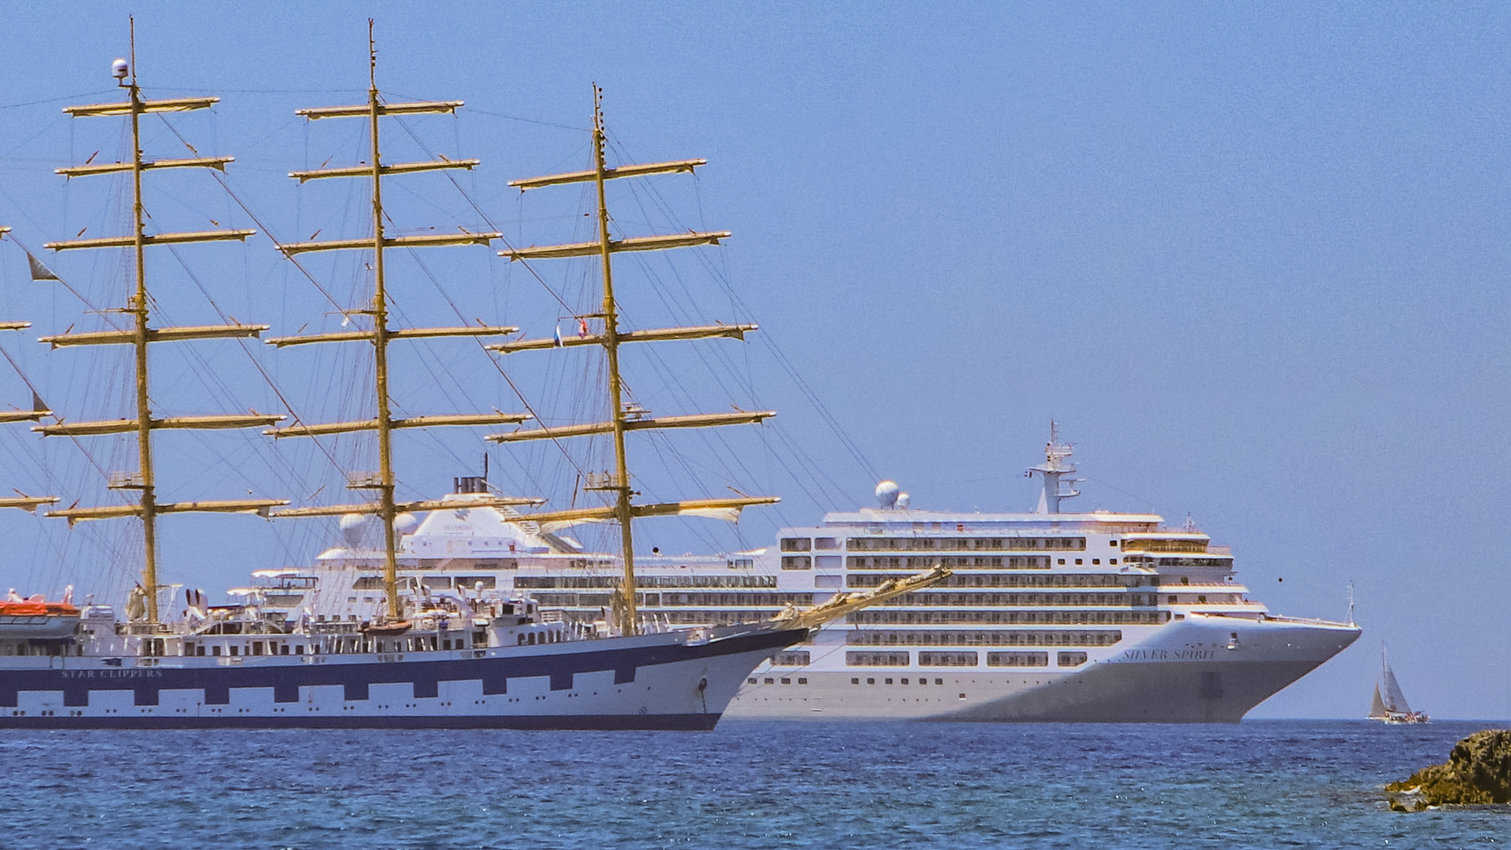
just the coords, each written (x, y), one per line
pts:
(37, 618)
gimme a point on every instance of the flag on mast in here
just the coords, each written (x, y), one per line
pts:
(39, 271)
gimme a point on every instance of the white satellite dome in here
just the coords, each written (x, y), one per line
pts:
(405, 523)
(903, 500)
(352, 526)
(886, 493)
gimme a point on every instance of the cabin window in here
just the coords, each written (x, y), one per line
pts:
(825, 543)
(215, 650)
(796, 544)
(796, 562)
(199, 650)
(256, 647)
(235, 650)
(299, 650)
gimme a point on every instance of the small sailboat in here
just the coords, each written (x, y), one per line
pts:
(1388, 705)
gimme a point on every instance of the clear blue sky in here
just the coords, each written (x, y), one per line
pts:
(1253, 259)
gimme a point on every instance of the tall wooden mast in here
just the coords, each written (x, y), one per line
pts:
(142, 332)
(622, 421)
(621, 480)
(387, 508)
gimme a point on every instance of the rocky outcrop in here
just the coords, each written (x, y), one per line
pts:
(1478, 771)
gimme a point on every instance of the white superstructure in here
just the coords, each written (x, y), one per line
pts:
(1049, 615)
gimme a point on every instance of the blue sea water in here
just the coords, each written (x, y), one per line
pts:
(746, 784)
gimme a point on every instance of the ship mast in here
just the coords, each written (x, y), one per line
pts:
(387, 508)
(142, 332)
(611, 351)
(621, 420)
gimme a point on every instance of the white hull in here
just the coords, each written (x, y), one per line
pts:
(1184, 672)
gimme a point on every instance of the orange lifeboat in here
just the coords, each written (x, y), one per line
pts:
(35, 617)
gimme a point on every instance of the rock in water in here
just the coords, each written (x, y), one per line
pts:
(1478, 771)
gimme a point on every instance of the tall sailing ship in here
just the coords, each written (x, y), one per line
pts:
(461, 656)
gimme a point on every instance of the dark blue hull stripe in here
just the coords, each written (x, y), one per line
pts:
(684, 722)
(356, 677)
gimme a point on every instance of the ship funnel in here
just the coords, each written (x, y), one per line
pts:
(469, 484)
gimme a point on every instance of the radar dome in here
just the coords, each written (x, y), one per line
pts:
(886, 493)
(352, 526)
(405, 523)
(903, 500)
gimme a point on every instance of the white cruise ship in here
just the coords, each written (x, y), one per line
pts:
(1049, 615)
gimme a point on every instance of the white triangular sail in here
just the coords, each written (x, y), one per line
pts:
(1395, 700)
(1377, 706)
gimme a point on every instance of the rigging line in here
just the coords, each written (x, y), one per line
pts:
(71, 290)
(225, 184)
(93, 93)
(718, 353)
(769, 341)
(506, 115)
(424, 355)
(677, 391)
(219, 90)
(445, 296)
(267, 378)
(492, 226)
(698, 531)
(55, 417)
(670, 376)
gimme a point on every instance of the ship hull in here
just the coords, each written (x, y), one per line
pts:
(662, 681)
(1190, 672)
